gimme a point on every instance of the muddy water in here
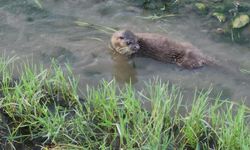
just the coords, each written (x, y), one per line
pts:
(38, 34)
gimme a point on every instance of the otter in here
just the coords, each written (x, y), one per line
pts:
(160, 48)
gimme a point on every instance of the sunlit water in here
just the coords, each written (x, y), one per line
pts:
(42, 34)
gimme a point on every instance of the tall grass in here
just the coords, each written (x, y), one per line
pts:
(43, 108)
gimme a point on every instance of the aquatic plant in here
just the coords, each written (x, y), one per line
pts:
(232, 16)
(101, 28)
(38, 3)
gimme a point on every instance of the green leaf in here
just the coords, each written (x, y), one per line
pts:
(240, 21)
(38, 3)
(245, 71)
(221, 17)
(200, 6)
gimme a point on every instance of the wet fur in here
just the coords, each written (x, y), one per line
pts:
(161, 48)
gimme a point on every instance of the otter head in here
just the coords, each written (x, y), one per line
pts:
(125, 42)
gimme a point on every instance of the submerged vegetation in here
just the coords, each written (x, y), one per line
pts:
(42, 108)
(101, 28)
(229, 18)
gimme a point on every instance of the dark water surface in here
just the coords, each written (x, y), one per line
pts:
(38, 34)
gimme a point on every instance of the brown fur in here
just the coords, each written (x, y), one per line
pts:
(159, 48)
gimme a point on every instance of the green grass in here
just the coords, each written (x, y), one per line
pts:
(43, 108)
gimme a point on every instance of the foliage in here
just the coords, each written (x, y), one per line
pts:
(232, 15)
(240, 21)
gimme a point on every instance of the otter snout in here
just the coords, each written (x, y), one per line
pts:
(134, 47)
(125, 42)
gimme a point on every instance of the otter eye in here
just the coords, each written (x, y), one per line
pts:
(128, 42)
(121, 37)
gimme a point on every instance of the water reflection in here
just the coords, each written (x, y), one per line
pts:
(124, 69)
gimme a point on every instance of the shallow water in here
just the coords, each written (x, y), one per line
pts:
(38, 34)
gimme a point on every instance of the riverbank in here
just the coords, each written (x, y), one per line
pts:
(42, 108)
(227, 20)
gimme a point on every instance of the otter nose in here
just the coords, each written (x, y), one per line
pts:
(136, 46)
